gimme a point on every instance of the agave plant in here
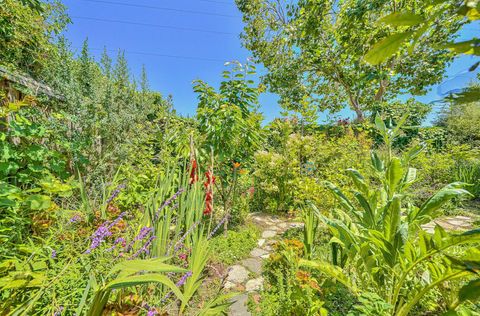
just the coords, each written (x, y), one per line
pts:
(378, 244)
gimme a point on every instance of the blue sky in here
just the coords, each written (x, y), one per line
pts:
(183, 51)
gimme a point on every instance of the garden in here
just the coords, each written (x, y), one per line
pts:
(112, 203)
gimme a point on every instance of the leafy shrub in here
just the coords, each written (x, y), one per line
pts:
(286, 176)
(289, 290)
(378, 241)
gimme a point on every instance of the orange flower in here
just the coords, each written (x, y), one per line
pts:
(236, 165)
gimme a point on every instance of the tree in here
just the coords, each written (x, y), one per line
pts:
(27, 29)
(410, 28)
(230, 123)
(314, 51)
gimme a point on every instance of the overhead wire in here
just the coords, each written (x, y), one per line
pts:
(159, 55)
(151, 25)
(145, 6)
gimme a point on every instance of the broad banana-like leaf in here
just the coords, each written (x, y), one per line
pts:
(470, 291)
(402, 19)
(391, 221)
(380, 125)
(435, 202)
(412, 153)
(368, 219)
(330, 270)
(387, 47)
(399, 125)
(394, 175)
(358, 180)
(409, 178)
(341, 230)
(377, 163)
(342, 199)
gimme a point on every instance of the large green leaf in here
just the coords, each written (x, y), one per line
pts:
(386, 48)
(470, 291)
(402, 19)
(435, 202)
(394, 175)
(148, 265)
(38, 202)
(341, 198)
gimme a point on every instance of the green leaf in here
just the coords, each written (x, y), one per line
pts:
(38, 202)
(402, 19)
(394, 174)
(386, 48)
(145, 265)
(377, 163)
(330, 270)
(470, 47)
(444, 195)
(358, 180)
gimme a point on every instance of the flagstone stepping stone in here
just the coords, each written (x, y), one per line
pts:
(297, 225)
(254, 285)
(239, 307)
(260, 242)
(283, 225)
(253, 264)
(258, 252)
(237, 274)
(269, 234)
(267, 248)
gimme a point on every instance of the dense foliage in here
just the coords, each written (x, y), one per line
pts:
(113, 204)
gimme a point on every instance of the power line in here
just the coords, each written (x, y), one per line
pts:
(213, 1)
(161, 8)
(152, 25)
(160, 55)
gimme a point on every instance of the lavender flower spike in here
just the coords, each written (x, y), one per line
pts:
(179, 243)
(144, 248)
(115, 193)
(169, 201)
(217, 227)
(180, 282)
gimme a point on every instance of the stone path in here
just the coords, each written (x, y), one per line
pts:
(454, 223)
(246, 275)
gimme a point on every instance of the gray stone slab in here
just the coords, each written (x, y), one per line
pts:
(253, 264)
(239, 307)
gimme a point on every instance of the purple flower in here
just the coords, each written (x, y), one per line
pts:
(169, 201)
(184, 278)
(119, 240)
(118, 219)
(179, 245)
(141, 235)
(98, 237)
(54, 254)
(152, 312)
(75, 218)
(145, 247)
(217, 227)
(115, 193)
(180, 282)
(59, 311)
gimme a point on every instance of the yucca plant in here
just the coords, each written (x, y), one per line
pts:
(381, 245)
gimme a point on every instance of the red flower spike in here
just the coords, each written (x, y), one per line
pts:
(193, 173)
